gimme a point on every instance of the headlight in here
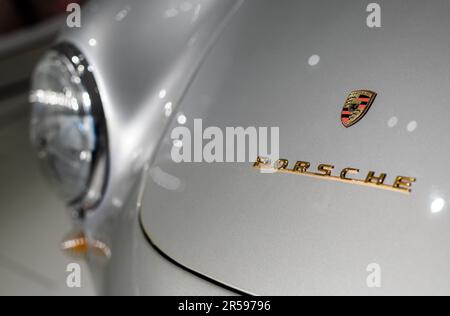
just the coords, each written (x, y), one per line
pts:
(68, 128)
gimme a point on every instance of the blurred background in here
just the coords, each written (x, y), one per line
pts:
(32, 220)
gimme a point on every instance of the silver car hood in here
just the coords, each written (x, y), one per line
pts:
(286, 234)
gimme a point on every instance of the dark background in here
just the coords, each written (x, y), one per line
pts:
(33, 221)
(16, 14)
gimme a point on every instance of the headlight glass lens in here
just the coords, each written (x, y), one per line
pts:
(67, 125)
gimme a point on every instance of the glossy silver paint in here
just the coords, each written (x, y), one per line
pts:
(140, 50)
(276, 234)
(134, 60)
(137, 268)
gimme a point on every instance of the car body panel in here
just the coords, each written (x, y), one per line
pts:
(138, 268)
(285, 234)
(245, 63)
(135, 63)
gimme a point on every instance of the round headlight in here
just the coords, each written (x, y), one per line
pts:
(68, 128)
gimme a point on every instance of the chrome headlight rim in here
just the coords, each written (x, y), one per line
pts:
(98, 176)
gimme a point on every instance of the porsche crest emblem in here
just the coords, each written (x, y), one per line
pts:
(356, 106)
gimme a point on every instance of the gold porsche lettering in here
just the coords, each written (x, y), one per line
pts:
(371, 178)
(282, 164)
(346, 171)
(301, 166)
(404, 183)
(324, 171)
